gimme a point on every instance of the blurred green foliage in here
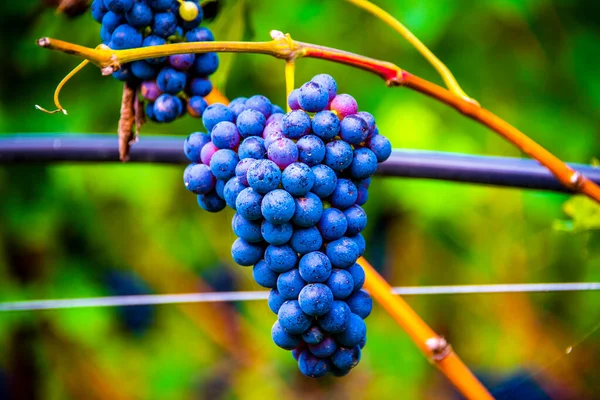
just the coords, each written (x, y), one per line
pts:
(63, 228)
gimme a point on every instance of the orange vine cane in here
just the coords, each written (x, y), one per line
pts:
(435, 347)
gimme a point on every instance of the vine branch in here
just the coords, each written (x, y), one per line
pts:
(285, 48)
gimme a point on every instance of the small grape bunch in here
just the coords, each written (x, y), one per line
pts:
(297, 182)
(171, 85)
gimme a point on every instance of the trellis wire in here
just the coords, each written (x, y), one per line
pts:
(214, 297)
(497, 171)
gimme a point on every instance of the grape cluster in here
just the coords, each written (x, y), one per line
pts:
(171, 85)
(297, 182)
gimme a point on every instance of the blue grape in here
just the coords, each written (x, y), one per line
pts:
(338, 155)
(313, 97)
(341, 284)
(342, 252)
(364, 164)
(200, 87)
(380, 146)
(200, 34)
(143, 70)
(225, 135)
(315, 267)
(290, 283)
(193, 145)
(264, 176)
(327, 82)
(360, 242)
(198, 179)
(297, 179)
(167, 108)
(222, 164)
(325, 181)
(196, 106)
(312, 366)
(356, 218)
(252, 147)
(346, 358)
(139, 15)
(259, 103)
(124, 74)
(278, 206)
(241, 169)
(263, 275)
(293, 99)
(205, 64)
(220, 188)
(369, 119)
(283, 339)
(275, 301)
(214, 114)
(246, 229)
(211, 202)
(314, 335)
(277, 234)
(292, 318)
(306, 240)
(248, 204)
(251, 122)
(245, 253)
(275, 109)
(354, 129)
(296, 124)
(283, 152)
(309, 210)
(311, 150)
(98, 10)
(323, 349)
(164, 24)
(355, 331)
(336, 319)
(171, 81)
(161, 5)
(363, 196)
(344, 195)
(280, 258)
(118, 6)
(125, 37)
(360, 303)
(315, 299)
(232, 190)
(182, 62)
(326, 125)
(111, 20)
(237, 106)
(358, 276)
(332, 224)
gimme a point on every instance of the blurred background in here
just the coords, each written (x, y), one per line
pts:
(83, 230)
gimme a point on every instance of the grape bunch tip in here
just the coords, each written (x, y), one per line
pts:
(297, 182)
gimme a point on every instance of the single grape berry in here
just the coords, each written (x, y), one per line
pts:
(198, 179)
(246, 229)
(360, 303)
(139, 15)
(182, 62)
(277, 234)
(164, 24)
(280, 258)
(211, 202)
(167, 108)
(125, 37)
(344, 195)
(344, 105)
(205, 64)
(360, 242)
(193, 145)
(342, 252)
(354, 332)
(245, 253)
(336, 319)
(328, 83)
(313, 97)
(199, 34)
(143, 70)
(357, 220)
(313, 335)
(358, 276)
(214, 114)
(225, 135)
(196, 106)
(338, 155)
(312, 366)
(264, 276)
(364, 164)
(332, 224)
(264, 176)
(315, 267)
(283, 152)
(354, 129)
(290, 283)
(248, 204)
(341, 284)
(323, 349)
(297, 179)
(278, 206)
(275, 301)
(251, 123)
(293, 99)
(223, 162)
(309, 210)
(200, 87)
(292, 318)
(380, 146)
(252, 147)
(207, 152)
(315, 299)
(283, 339)
(306, 240)
(261, 104)
(311, 150)
(326, 125)
(325, 181)
(346, 358)
(296, 124)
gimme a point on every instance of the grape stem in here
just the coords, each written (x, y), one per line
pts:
(109, 60)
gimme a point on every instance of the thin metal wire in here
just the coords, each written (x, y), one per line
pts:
(214, 297)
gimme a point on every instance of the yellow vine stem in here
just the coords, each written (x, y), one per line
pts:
(441, 68)
(62, 83)
(290, 69)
